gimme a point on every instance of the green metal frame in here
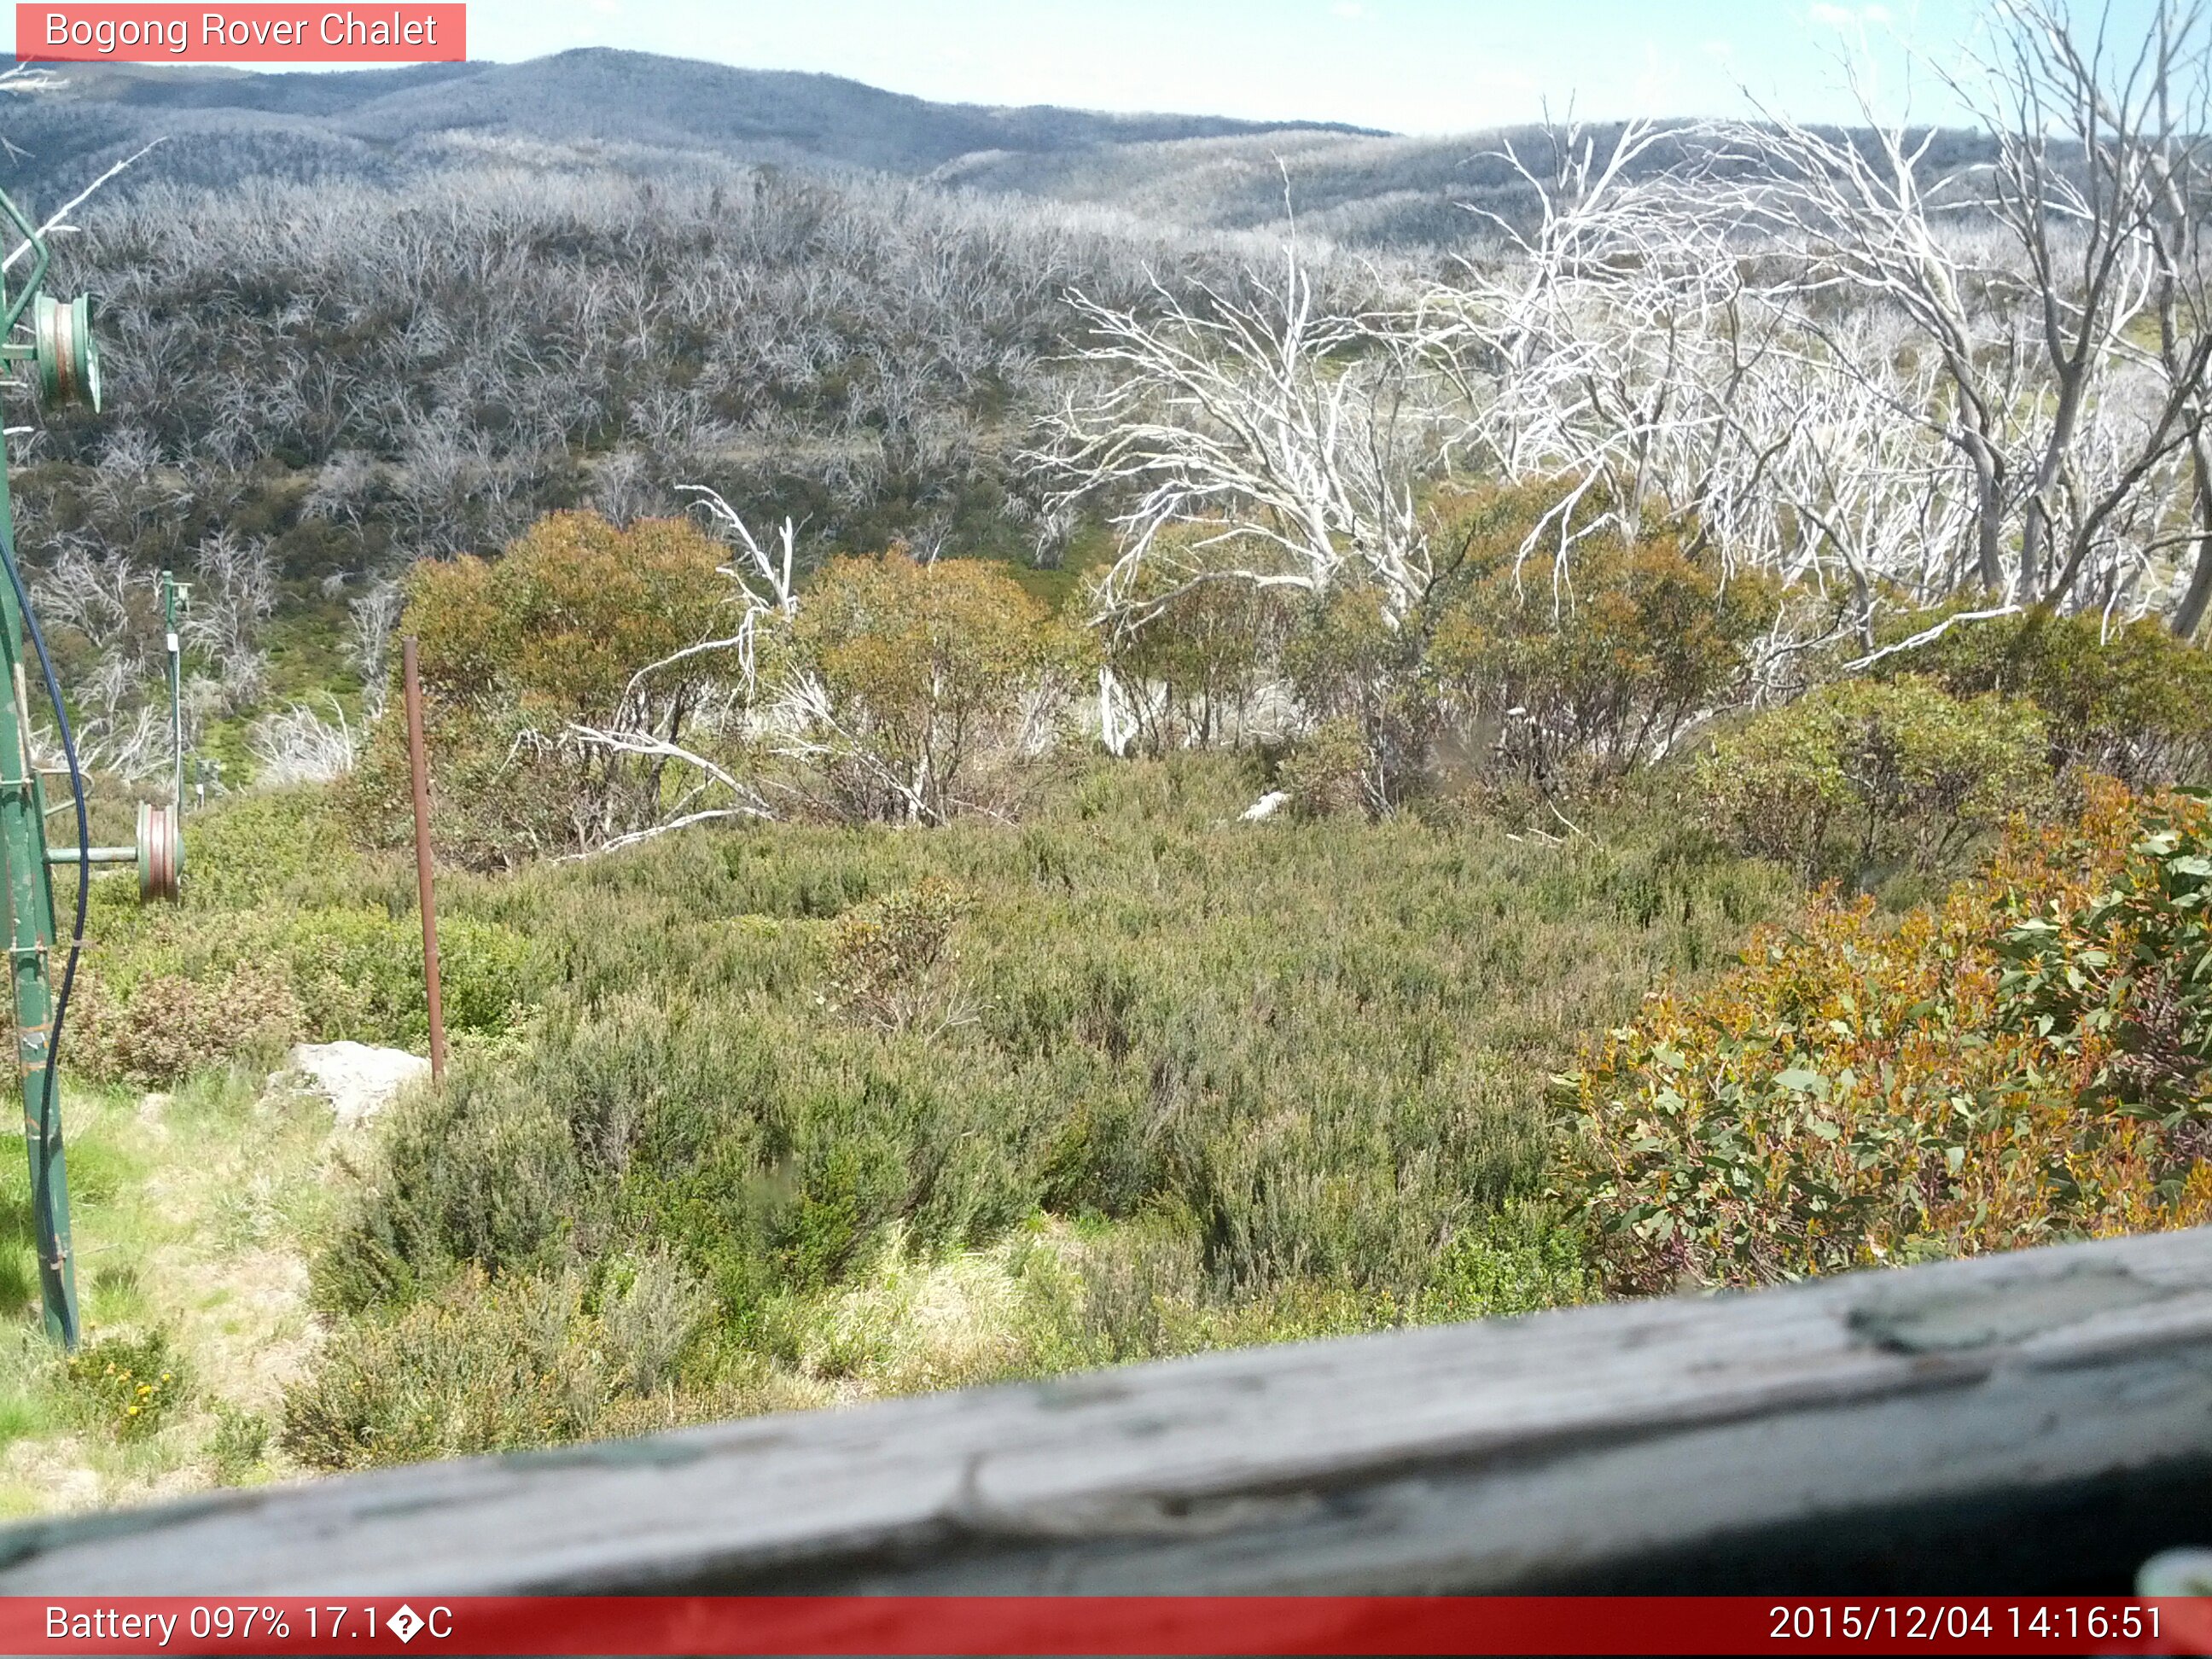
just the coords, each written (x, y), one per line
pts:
(30, 944)
(24, 866)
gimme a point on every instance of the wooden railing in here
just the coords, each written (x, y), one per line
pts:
(2035, 1422)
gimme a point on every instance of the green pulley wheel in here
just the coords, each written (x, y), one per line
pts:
(68, 355)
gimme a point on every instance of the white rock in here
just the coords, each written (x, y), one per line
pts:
(1266, 806)
(360, 1079)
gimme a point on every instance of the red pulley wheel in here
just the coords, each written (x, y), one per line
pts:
(160, 853)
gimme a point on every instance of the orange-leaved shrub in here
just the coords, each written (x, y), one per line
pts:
(1586, 664)
(519, 650)
(2128, 982)
(1193, 654)
(1859, 1092)
(934, 681)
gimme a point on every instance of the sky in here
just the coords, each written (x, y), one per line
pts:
(1405, 65)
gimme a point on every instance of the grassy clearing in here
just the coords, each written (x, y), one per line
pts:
(193, 1213)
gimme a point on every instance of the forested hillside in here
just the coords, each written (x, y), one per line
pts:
(311, 387)
(363, 317)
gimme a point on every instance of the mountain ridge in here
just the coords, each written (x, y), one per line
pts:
(603, 94)
(648, 115)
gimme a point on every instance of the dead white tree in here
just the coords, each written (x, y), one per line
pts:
(1850, 362)
(235, 595)
(2087, 150)
(1577, 352)
(2179, 140)
(648, 724)
(2029, 281)
(372, 621)
(297, 744)
(111, 606)
(132, 743)
(764, 578)
(1637, 351)
(1294, 439)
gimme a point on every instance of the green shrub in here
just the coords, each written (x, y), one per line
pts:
(129, 1386)
(1357, 674)
(358, 974)
(913, 1321)
(1523, 1258)
(268, 848)
(239, 1444)
(168, 994)
(892, 962)
(1327, 773)
(2132, 701)
(650, 1311)
(1906, 771)
(485, 1172)
(1141, 1292)
(1236, 1087)
(481, 1367)
(286, 932)
(760, 1153)
(489, 1365)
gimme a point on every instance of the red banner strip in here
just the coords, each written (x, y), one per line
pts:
(994, 1625)
(258, 33)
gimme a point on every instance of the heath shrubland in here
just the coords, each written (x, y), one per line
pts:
(858, 1099)
(1210, 1082)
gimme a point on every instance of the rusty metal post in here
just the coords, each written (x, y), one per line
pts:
(420, 768)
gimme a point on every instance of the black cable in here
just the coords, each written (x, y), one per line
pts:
(42, 1207)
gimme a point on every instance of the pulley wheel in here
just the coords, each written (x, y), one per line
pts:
(67, 356)
(161, 854)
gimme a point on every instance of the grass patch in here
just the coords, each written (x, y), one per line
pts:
(192, 1214)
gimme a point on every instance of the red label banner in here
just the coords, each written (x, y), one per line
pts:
(994, 1625)
(271, 33)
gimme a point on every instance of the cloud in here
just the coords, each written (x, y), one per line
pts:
(1350, 9)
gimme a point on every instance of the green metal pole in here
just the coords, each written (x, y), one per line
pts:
(30, 899)
(66, 359)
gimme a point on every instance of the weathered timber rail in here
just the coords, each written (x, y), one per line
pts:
(2033, 1422)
